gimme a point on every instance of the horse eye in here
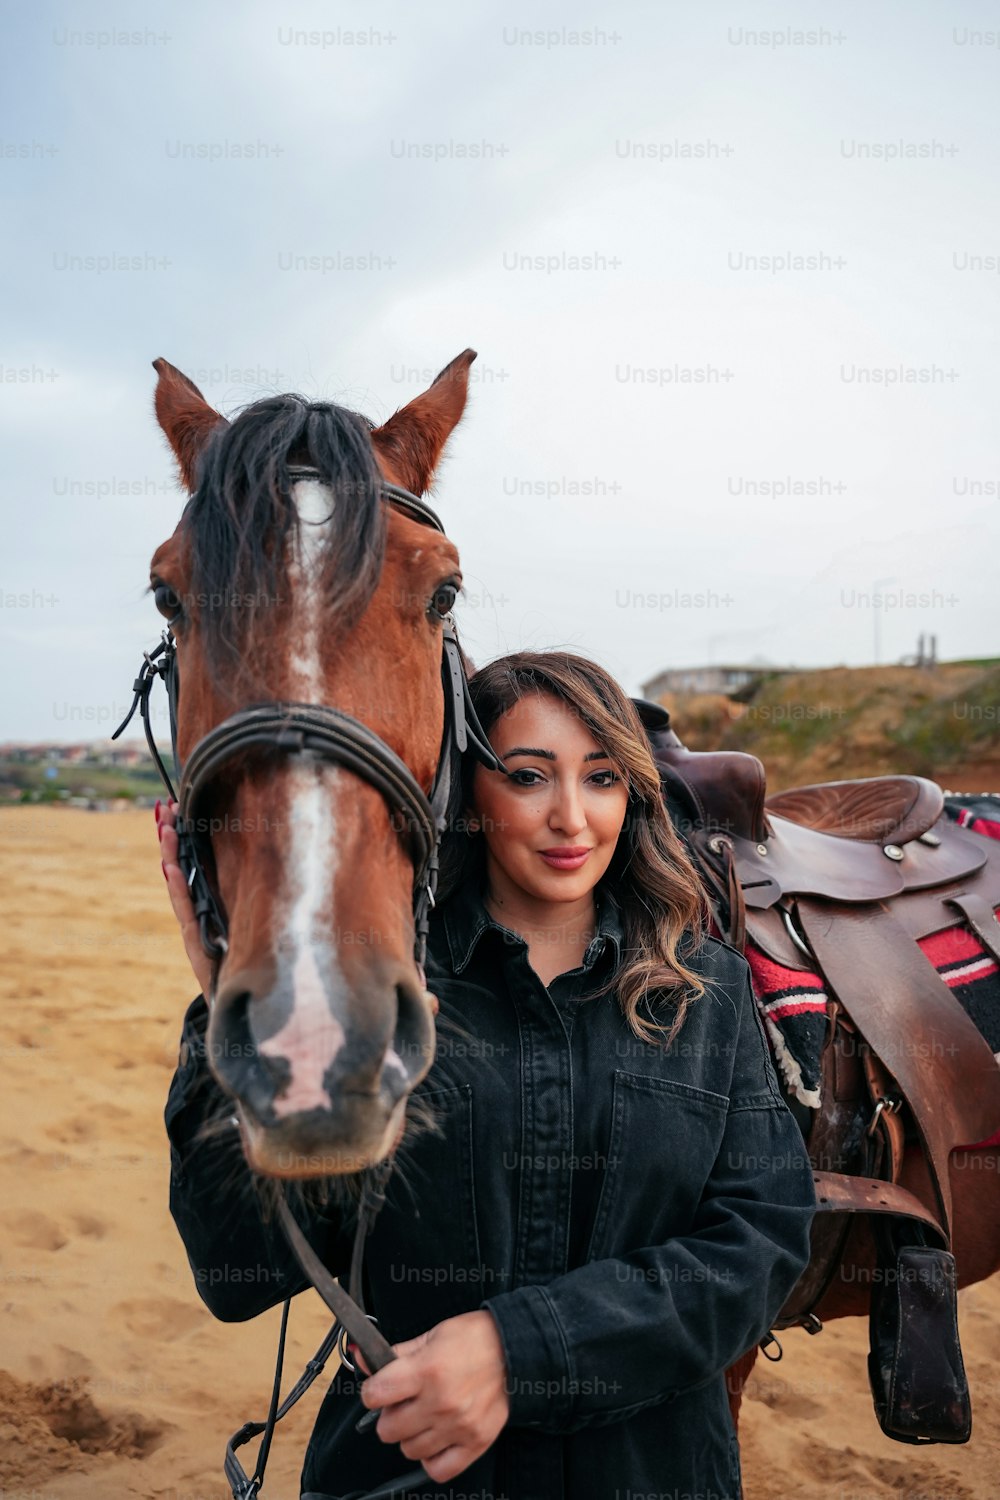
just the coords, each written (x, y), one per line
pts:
(166, 601)
(444, 599)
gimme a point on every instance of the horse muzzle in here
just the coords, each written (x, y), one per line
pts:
(321, 1071)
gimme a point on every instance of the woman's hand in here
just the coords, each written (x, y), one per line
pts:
(180, 897)
(444, 1397)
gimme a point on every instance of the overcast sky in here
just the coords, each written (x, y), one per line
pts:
(338, 198)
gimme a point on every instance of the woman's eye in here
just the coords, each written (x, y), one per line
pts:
(608, 778)
(166, 600)
(516, 776)
(443, 601)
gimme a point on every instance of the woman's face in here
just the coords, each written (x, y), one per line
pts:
(552, 825)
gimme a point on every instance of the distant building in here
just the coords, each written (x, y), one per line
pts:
(705, 679)
(127, 755)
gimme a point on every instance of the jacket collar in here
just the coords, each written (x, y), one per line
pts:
(466, 920)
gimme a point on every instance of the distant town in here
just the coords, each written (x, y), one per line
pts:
(103, 776)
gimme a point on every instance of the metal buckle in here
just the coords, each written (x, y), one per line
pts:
(342, 1337)
(786, 918)
(886, 1103)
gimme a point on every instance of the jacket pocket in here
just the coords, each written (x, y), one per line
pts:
(423, 1257)
(664, 1139)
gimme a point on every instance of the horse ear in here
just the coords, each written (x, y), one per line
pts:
(186, 418)
(413, 439)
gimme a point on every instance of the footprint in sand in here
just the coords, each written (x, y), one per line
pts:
(36, 1231)
(161, 1318)
(69, 1132)
(899, 1477)
(845, 1471)
(91, 1227)
(780, 1397)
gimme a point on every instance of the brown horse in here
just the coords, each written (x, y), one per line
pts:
(311, 590)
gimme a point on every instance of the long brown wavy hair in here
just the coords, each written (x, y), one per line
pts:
(663, 907)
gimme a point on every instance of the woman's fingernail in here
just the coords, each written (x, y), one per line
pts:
(156, 809)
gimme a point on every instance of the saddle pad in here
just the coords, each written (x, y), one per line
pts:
(793, 1005)
(981, 814)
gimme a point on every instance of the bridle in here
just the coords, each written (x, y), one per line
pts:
(332, 735)
(297, 728)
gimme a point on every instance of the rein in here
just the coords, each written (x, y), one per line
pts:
(318, 730)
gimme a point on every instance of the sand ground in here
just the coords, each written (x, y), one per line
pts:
(114, 1378)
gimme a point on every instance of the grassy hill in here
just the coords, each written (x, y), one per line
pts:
(30, 782)
(844, 722)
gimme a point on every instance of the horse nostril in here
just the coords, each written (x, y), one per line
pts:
(234, 1055)
(231, 1027)
(413, 1037)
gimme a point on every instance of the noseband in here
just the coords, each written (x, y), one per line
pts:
(328, 733)
(300, 728)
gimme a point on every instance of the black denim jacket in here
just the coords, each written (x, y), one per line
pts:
(632, 1217)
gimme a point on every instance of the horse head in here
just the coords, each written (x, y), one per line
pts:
(285, 587)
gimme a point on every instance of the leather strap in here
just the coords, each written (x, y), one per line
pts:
(292, 728)
(841, 1193)
(376, 1349)
(980, 917)
(349, 1314)
(937, 1057)
(296, 728)
(887, 1123)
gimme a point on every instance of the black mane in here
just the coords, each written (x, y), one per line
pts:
(241, 512)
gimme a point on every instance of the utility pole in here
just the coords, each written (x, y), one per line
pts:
(876, 620)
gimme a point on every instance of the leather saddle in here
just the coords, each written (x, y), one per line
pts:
(845, 841)
(842, 879)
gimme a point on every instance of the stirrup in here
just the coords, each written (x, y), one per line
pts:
(915, 1366)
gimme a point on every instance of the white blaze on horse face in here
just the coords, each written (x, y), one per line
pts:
(308, 542)
(312, 1036)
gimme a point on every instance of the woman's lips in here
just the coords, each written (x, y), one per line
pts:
(564, 861)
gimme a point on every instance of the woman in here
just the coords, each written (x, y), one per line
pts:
(616, 1202)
